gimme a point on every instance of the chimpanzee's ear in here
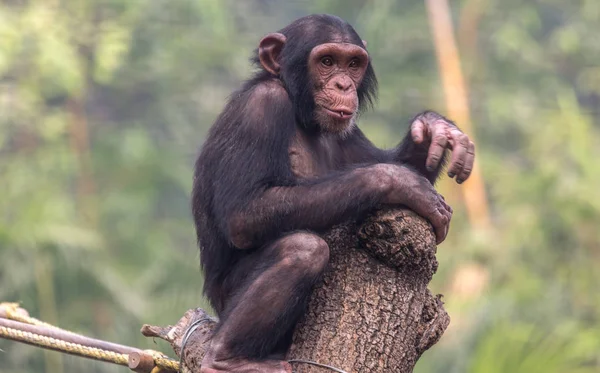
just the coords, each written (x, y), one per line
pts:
(268, 52)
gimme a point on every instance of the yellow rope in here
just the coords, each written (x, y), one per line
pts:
(68, 347)
(161, 361)
(164, 362)
(12, 313)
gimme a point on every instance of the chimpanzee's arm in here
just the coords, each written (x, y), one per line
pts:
(317, 205)
(424, 148)
(325, 202)
(415, 155)
(357, 149)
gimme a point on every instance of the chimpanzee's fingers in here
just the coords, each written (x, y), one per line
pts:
(446, 205)
(468, 167)
(460, 145)
(418, 130)
(446, 228)
(447, 211)
(440, 226)
(440, 221)
(439, 141)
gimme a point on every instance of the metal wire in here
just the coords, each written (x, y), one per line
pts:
(317, 364)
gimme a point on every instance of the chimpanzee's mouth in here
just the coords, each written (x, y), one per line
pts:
(340, 113)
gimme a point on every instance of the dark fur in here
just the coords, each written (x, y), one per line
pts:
(246, 153)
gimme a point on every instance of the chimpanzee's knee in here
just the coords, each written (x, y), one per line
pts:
(303, 251)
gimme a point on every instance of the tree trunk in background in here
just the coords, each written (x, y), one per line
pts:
(372, 313)
(457, 102)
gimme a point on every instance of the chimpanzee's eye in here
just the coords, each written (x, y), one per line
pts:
(327, 61)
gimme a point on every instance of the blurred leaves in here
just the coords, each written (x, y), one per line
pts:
(527, 348)
(104, 103)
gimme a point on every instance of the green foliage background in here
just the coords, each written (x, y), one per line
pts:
(104, 103)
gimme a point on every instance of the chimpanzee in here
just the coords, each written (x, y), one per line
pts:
(283, 162)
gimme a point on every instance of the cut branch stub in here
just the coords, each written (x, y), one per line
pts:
(197, 342)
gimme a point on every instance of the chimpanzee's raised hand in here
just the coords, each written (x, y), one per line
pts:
(407, 187)
(439, 133)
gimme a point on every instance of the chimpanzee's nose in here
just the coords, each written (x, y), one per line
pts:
(343, 83)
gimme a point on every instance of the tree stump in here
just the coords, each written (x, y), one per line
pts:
(371, 313)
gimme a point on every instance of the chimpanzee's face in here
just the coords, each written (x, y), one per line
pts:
(336, 70)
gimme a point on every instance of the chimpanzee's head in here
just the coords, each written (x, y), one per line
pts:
(325, 69)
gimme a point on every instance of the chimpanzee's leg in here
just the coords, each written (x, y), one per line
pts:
(274, 284)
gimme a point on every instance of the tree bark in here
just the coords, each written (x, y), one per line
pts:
(371, 313)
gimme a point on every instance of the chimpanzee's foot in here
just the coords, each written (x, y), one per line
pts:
(218, 359)
(238, 365)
